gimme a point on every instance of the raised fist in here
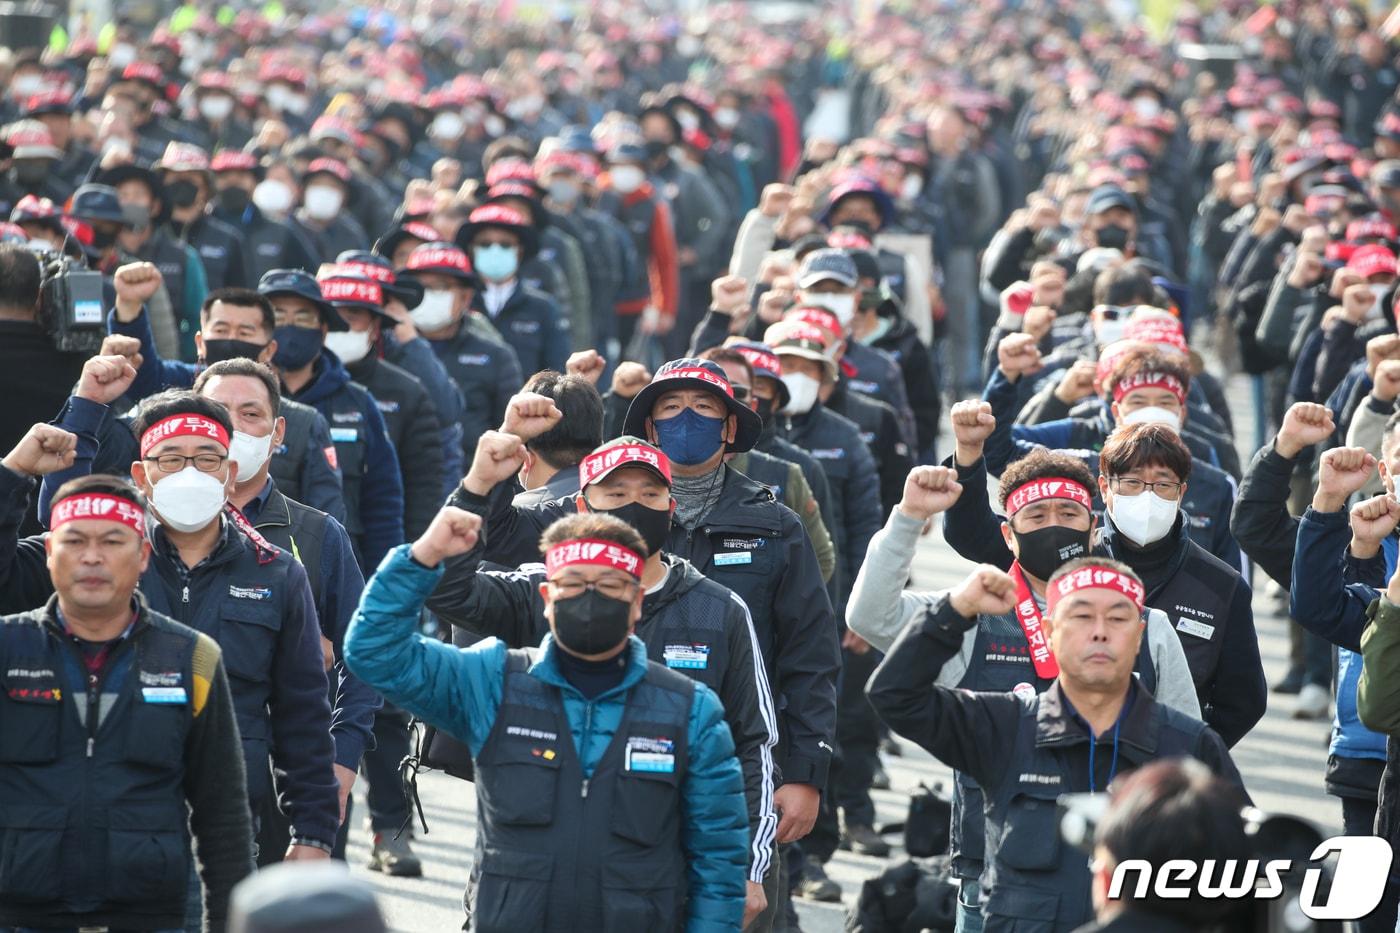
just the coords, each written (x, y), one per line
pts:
(729, 295)
(973, 423)
(1371, 522)
(986, 591)
(1017, 355)
(453, 531)
(1077, 382)
(44, 449)
(105, 379)
(775, 199)
(528, 415)
(629, 378)
(1304, 424)
(1344, 471)
(499, 456)
(135, 283)
(586, 364)
(929, 490)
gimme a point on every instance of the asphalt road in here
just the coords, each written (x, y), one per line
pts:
(1282, 761)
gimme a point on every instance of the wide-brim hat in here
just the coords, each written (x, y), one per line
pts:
(692, 373)
(439, 259)
(302, 284)
(408, 230)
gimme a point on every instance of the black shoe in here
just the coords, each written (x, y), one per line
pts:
(1292, 682)
(863, 840)
(815, 885)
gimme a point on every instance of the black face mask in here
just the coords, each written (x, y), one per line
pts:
(654, 525)
(31, 173)
(103, 239)
(234, 200)
(216, 351)
(182, 193)
(1045, 550)
(768, 412)
(591, 623)
(1112, 236)
(658, 151)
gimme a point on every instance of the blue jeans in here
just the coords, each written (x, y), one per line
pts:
(969, 911)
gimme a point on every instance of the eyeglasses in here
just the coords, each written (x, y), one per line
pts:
(303, 318)
(611, 587)
(1131, 486)
(174, 463)
(741, 393)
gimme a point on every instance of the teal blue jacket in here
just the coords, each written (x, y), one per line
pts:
(458, 690)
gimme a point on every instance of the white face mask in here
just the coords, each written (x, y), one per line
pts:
(189, 500)
(250, 453)
(688, 120)
(350, 345)
(434, 312)
(1106, 332)
(626, 178)
(843, 306)
(323, 202)
(1378, 291)
(493, 125)
(121, 55)
(27, 84)
(1153, 415)
(273, 197)
(727, 117)
(1146, 107)
(216, 107)
(911, 187)
(1144, 518)
(447, 126)
(803, 389)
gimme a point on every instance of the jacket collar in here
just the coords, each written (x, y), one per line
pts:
(1114, 545)
(1057, 725)
(546, 668)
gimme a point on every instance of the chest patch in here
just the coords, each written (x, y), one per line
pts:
(687, 657)
(653, 755)
(250, 592)
(733, 558)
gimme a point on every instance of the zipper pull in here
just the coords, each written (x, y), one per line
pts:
(185, 596)
(585, 780)
(92, 741)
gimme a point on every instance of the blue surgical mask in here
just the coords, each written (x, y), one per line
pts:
(495, 262)
(296, 346)
(690, 437)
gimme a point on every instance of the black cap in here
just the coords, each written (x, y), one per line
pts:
(1105, 197)
(97, 202)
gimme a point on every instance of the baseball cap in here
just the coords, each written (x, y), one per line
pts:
(827, 265)
(624, 451)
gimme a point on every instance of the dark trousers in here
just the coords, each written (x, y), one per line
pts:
(388, 807)
(857, 756)
(1359, 819)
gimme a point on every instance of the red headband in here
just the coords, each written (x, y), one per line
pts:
(1150, 381)
(98, 507)
(429, 257)
(697, 372)
(368, 270)
(761, 359)
(352, 291)
(1094, 577)
(182, 426)
(602, 462)
(1049, 487)
(592, 551)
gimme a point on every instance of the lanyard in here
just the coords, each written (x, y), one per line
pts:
(1113, 764)
(1028, 614)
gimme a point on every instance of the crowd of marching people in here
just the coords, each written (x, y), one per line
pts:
(549, 395)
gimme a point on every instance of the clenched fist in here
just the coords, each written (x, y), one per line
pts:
(1372, 522)
(929, 490)
(528, 415)
(1344, 471)
(1304, 424)
(1017, 355)
(586, 364)
(44, 449)
(986, 591)
(629, 378)
(105, 379)
(973, 423)
(453, 531)
(1077, 382)
(499, 456)
(729, 295)
(135, 283)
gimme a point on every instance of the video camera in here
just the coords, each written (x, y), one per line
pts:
(1272, 836)
(70, 304)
